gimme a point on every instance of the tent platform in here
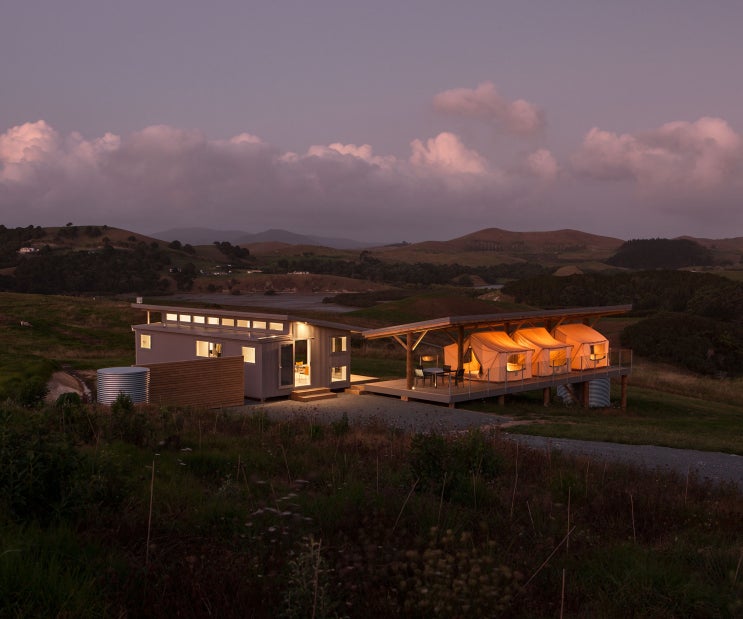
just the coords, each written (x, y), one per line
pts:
(472, 388)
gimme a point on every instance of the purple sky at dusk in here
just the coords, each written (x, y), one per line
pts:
(378, 121)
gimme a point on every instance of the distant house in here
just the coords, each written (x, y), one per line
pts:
(28, 250)
(279, 353)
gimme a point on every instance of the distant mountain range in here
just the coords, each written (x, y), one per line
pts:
(207, 236)
(487, 246)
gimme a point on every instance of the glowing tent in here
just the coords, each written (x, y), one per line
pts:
(590, 348)
(494, 357)
(550, 355)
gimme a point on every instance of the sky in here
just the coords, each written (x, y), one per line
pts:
(383, 121)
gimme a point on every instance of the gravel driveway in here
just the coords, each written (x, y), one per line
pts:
(421, 417)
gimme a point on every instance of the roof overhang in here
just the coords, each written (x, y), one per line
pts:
(229, 313)
(501, 320)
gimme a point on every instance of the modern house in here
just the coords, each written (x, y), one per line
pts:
(279, 354)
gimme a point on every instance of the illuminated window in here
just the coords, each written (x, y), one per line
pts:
(212, 320)
(248, 354)
(259, 324)
(515, 363)
(208, 349)
(145, 341)
(228, 322)
(199, 320)
(338, 344)
(173, 317)
(276, 326)
(185, 318)
(338, 373)
(243, 324)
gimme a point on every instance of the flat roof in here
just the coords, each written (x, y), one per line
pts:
(496, 320)
(216, 332)
(229, 313)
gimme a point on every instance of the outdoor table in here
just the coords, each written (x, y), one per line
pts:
(434, 373)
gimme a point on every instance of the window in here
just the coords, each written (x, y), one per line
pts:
(199, 320)
(185, 318)
(208, 349)
(259, 324)
(338, 344)
(338, 373)
(145, 341)
(212, 320)
(228, 322)
(173, 317)
(248, 354)
(276, 326)
(515, 363)
(243, 324)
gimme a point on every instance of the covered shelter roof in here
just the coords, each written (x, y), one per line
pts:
(505, 320)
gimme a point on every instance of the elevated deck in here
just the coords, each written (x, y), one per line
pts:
(473, 388)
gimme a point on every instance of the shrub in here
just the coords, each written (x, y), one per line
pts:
(129, 423)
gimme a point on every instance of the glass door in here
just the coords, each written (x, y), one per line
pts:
(302, 363)
(286, 365)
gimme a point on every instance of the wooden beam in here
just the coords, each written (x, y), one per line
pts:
(410, 379)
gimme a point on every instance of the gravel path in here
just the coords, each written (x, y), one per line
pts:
(421, 417)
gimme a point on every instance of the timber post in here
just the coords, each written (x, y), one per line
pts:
(409, 360)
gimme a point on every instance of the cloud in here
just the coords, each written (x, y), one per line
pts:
(163, 177)
(543, 165)
(694, 155)
(486, 103)
(446, 153)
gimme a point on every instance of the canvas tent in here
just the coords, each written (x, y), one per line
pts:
(550, 355)
(590, 348)
(494, 357)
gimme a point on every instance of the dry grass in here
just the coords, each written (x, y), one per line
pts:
(668, 379)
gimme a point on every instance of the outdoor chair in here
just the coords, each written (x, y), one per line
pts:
(459, 376)
(420, 375)
(447, 371)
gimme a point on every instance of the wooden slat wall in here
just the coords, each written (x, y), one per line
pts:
(200, 382)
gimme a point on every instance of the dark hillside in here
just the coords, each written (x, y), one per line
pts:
(661, 254)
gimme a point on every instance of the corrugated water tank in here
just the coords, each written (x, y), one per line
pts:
(131, 381)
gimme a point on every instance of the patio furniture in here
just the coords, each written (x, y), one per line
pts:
(434, 374)
(420, 375)
(459, 376)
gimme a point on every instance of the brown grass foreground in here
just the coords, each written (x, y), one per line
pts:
(251, 518)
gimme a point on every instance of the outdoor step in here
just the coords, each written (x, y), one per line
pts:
(356, 390)
(312, 395)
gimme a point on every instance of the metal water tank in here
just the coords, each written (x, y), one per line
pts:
(131, 381)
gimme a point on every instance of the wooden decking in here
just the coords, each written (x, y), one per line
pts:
(475, 389)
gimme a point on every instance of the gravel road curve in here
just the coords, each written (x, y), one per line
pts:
(421, 417)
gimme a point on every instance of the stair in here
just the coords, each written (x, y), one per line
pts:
(312, 395)
(356, 390)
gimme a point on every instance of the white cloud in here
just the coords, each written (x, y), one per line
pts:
(446, 153)
(164, 177)
(543, 165)
(692, 155)
(486, 103)
(28, 143)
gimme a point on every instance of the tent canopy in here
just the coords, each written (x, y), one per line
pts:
(550, 355)
(590, 348)
(494, 355)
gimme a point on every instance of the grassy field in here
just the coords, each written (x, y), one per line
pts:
(162, 512)
(155, 512)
